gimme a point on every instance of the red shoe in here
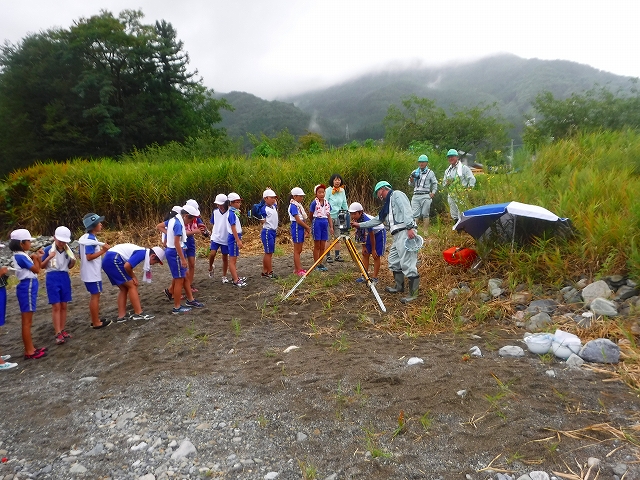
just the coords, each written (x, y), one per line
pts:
(59, 339)
(65, 334)
(38, 353)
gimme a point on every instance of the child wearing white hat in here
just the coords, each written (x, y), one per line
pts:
(219, 236)
(57, 259)
(27, 269)
(269, 214)
(299, 227)
(234, 238)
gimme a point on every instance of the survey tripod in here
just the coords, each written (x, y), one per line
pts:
(351, 248)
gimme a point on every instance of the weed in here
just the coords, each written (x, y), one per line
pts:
(262, 421)
(341, 324)
(547, 358)
(309, 471)
(552, 447)
(371, 440)
(270, 353)
(514, 457)
(188, 390)
(426, 421)
(402, 425)
(235, 325)
(358, 389)
(428, 314)
(341, 344)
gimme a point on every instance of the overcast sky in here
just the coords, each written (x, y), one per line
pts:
(275, 47)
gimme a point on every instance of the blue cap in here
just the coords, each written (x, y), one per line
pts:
(423, 158)
(452, 153)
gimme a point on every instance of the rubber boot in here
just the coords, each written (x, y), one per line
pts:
(414, 283)
(399, 286)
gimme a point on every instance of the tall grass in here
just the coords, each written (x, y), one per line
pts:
(593, 179)
(128, 192)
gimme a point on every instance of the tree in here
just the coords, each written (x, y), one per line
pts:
(595, 109)
(100, 88)
(474, 129)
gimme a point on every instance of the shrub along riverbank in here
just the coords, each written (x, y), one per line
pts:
(592, 179)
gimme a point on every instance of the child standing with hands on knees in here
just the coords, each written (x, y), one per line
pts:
(374, 240)
(91, 252)
(58, 259)
(269, 214)
(27, 269)
(320, 211)
(298, 215)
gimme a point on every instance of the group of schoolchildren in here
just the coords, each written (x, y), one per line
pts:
(179, 252)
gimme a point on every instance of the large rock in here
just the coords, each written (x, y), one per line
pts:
(185, 449)
(600, 350)
(599, 289)
(625, 292)
(511, 351)
(546, 305)
(538, 322)
(602, 306)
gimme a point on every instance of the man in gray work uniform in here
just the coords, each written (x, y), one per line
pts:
(425, 186)
(397, 213)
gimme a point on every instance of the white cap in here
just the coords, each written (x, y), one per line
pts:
(193, 203)
(191, 210)
(320, 185)
(268, 193)
(177, 209)
(233, 196)
(355, 207)
(159, 253)
(62, 234)
(21, 234)
(221, 198)
(297, 191)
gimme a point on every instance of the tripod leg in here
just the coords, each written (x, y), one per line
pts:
(317, 262)
(356, 258)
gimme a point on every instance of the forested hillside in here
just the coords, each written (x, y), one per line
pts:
(512, 82)
(255, 115)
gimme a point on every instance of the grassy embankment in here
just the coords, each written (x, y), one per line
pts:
(592, 179)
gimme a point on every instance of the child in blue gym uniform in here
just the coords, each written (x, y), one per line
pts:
(322, 226)
(269, 214)
(299, 227)
(219, 235)
(234, 238)
(57, 259)
(118, 264)
(91, 252)
(27, 269)
(374, 240)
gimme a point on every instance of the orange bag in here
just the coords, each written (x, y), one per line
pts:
(460, 256)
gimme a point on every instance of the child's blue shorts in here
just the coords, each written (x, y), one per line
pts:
(297, 232)
(320, 229)
(93, 287)
(113, 266)
(173, 260)
(224, 249)
(27, 293)
(234, 251)
(381, 241)
(268, 237)
(58, 287)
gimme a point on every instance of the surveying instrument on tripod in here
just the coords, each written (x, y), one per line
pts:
(344, 226)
